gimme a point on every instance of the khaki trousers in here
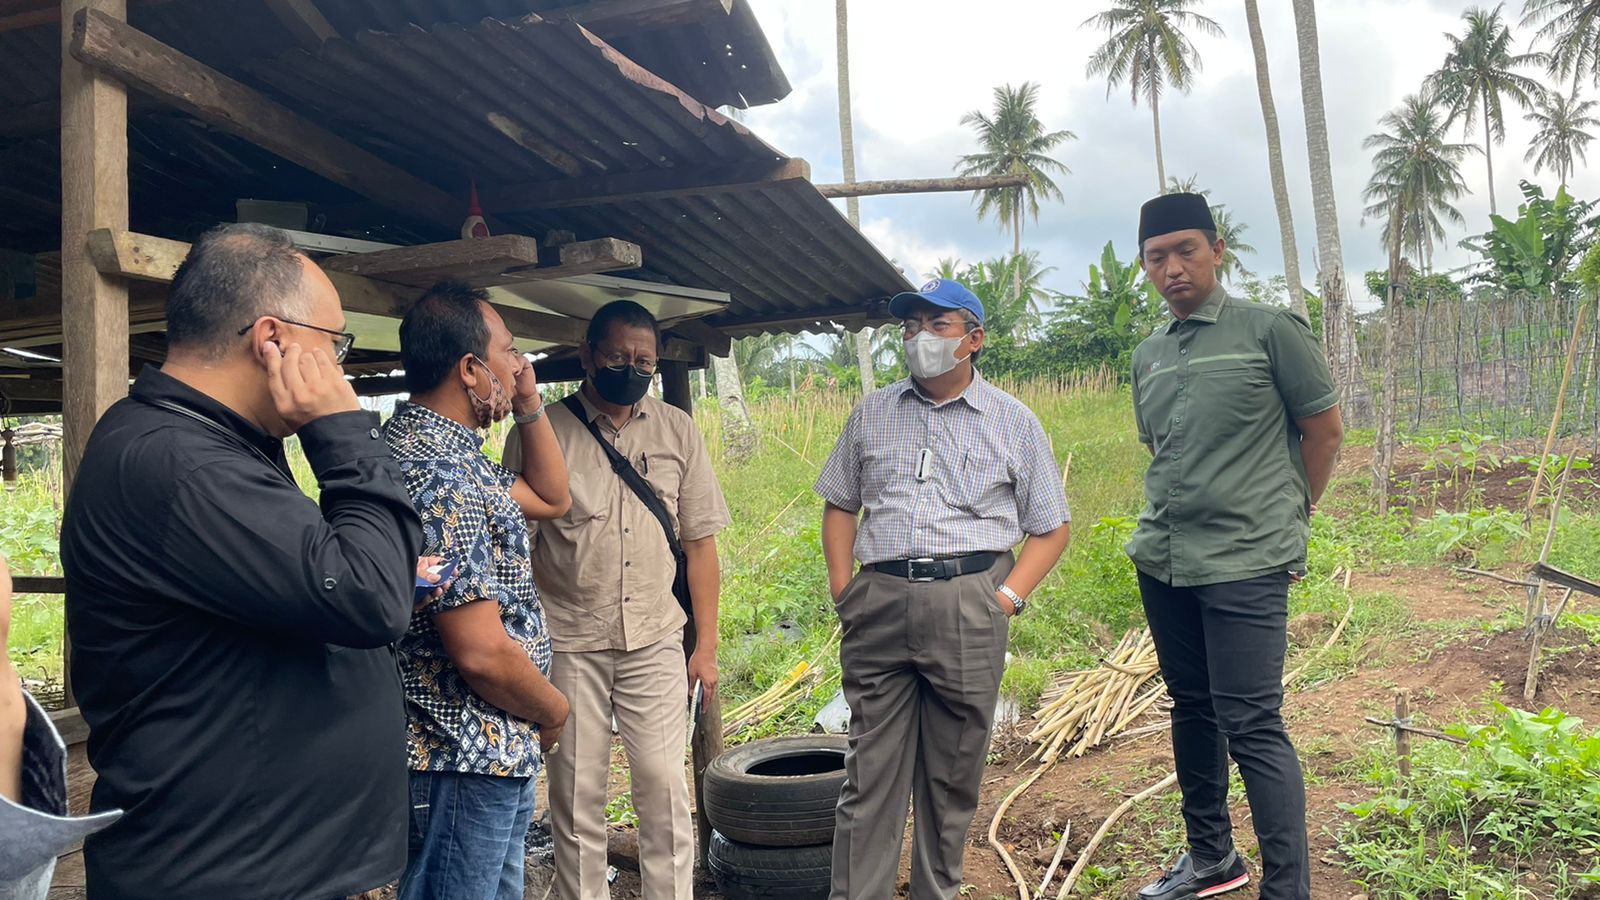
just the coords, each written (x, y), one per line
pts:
(647, 690)
(921, 668)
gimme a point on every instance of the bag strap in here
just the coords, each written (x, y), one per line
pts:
(629, 475)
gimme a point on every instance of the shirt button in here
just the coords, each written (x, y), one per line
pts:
(1178, 420)
(329, 584)
(1174, 492)
(627, 531)
(374, 433)
(627, 563)
(626, 599)
(1183, 351)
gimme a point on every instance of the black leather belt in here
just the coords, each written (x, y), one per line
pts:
(929, 569)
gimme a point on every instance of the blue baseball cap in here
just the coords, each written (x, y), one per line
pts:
(941, 292)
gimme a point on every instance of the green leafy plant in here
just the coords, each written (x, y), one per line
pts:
(1515, 813)
(1468, 533)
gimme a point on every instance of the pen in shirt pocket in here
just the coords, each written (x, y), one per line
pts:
(644, 464)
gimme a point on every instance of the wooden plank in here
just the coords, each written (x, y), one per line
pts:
(614, 17)
(422, 265)
(307, 23)
(201, 91)
(921, 185)
(39, 584)
(1565, 579)
(655, 184)
(94, 194)
(716, 342)
(30, 389)
(69, 722)
(129, 254)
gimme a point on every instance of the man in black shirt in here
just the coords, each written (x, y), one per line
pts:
(231, 639)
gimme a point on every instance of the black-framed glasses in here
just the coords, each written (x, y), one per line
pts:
(341, 348)
(617, 362)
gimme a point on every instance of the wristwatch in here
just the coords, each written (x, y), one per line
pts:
(530, 418)
(1017, 603)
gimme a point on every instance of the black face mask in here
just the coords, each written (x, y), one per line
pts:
(622, 386)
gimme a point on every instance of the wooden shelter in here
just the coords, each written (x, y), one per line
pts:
(128, 127)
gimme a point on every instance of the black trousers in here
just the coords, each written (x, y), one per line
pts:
(1221, 648)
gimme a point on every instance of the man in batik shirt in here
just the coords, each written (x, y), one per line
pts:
(480, 707)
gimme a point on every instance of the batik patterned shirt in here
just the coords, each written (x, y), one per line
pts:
(468, 516)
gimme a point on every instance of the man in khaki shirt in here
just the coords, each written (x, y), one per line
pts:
(605, 571)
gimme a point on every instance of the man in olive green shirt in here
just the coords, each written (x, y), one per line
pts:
(1236, 405)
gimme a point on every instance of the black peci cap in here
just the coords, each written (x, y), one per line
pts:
(1174, 212)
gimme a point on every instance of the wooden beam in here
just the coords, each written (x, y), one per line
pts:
(657, 184)
(146, 258)
(422, 265)
(1565, 579)
(307, 23)
(617, 16)
(30, 389)
(115, 48)
(487, 262)
(716, 342)
(792, 320)
(921, 185)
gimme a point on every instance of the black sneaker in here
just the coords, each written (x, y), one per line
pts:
(1186, 882)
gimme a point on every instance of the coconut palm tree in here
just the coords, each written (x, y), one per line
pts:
(1280, 185)
(1230, 232)
(1233, 244)
(847, 147)
(1478, 73)
(1148, 50)
(1562, 137)
(1571, 29)
(1338, 323)
(1416, 174)
(1014, 142)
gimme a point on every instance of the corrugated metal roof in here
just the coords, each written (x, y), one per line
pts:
(538, 100)
(723, 60)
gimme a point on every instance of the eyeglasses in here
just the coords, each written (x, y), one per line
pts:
(618, 361)
(940, 327)
(341, 347)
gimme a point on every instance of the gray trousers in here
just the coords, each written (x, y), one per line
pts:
(921, 668)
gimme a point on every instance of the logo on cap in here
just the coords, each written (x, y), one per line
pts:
(930, 286)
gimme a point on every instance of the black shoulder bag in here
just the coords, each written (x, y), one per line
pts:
(646, 494)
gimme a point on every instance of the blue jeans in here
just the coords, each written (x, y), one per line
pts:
(467, 834)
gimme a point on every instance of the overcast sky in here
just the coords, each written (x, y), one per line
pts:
(915, 68)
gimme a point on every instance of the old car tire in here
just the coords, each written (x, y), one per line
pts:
(746, 872)
(779, 792)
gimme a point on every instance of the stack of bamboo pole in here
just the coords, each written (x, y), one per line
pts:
(1086, 708)
(775, 700)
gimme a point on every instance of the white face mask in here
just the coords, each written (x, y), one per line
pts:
(929, 356)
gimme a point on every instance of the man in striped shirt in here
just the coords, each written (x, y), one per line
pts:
(933, 482)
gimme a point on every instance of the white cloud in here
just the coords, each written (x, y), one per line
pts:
(913, 75)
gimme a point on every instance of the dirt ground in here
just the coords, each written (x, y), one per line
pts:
(1449, 672)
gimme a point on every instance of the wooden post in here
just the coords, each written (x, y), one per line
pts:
(1402, 737)
(94, 194)
(707, 740)
(1544, 623)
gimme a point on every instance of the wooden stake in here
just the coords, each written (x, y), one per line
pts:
(1555, 420)
(1543, 624)
(1061, 851)
(1402, 737)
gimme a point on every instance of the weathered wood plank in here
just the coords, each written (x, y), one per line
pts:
(28, 13)
(420, 266)
(201, 91)
(716, 342)
(921, 185)
(1565, 579)
(94, 194)
(129, 254)
(39, 584)
(653, 185)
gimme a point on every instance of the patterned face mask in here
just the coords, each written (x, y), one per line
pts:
(497, 407)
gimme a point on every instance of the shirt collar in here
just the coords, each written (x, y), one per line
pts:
(451, 435)
(1208, 313)
(155, 386)
(976, 395)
